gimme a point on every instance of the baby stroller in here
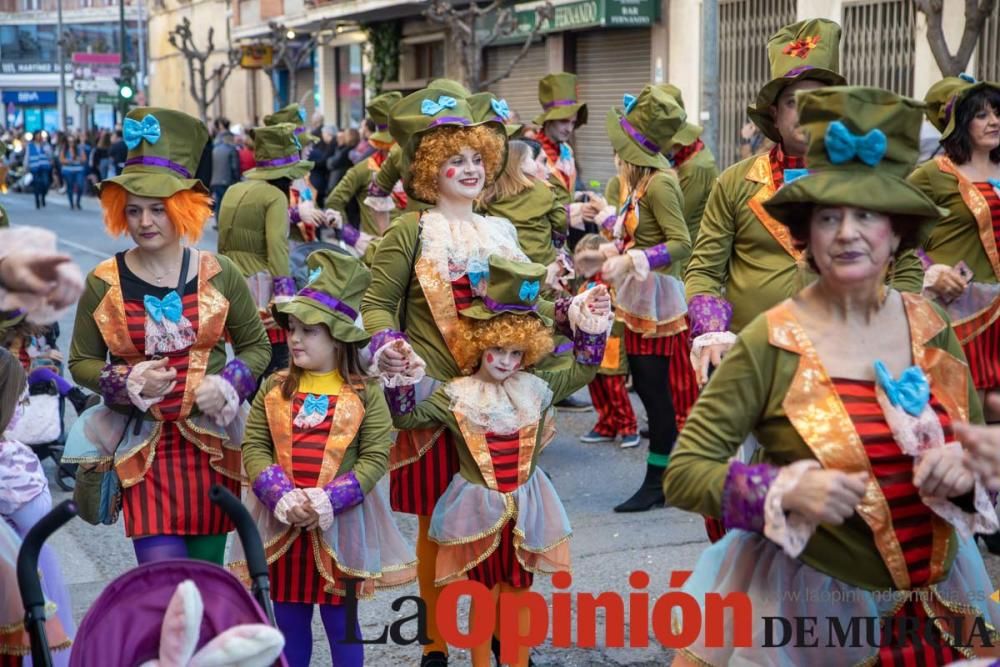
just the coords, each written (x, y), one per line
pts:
(123, 627)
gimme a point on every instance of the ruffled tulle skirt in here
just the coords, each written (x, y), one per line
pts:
(976, 318)
(652, 307)
(787, 588)
(469, 520)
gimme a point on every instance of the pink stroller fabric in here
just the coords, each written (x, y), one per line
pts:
(122, 628)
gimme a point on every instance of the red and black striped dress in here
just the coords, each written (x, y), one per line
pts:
(983, 351)
(502, 566)
(295, 576)
(415, 487)
(911, 520)
(172, 499)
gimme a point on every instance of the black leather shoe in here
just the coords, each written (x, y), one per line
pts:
(643, 500)
(571, 404)
(644, 433)
(434, 659)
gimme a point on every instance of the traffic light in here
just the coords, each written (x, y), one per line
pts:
(126, 84)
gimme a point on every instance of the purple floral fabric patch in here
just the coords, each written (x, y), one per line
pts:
(271, 485)
(375, 191)
(241, 377)
(283, 286)
(589, 348)
(658, 256)
(609, 222)
(925, 259)
(293, 215)
(350, 234)
(113, 384)
(743, 495)
(344, 492)
(384, 337)
(709, 314)
(401, 400)
(562, 324)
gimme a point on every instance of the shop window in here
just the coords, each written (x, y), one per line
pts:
(350, 86)
(31, 5)
(428, 60)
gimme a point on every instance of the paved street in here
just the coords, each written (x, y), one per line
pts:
(590, 478)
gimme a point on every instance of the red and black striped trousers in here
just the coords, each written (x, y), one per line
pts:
(614, 409)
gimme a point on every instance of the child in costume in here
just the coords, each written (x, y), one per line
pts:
(500, 521)
(316, 444)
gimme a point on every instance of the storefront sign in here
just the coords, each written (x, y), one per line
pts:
(30, 97)
(96, 65)
(581, 15)
(32, 68)
(256, 56)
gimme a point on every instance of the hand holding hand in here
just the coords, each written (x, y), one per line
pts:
(160, 379)
(942, 473)
(209, 398)
(598, 301)
(615, 269)
(711, 356)
(826, 496)
(949, 285)
(395, 359)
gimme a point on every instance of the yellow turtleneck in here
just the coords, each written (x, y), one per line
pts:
(321, 383)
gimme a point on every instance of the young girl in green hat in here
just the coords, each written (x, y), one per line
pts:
(317, 442)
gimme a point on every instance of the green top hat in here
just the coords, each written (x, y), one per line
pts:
(673, 91)
(863, 143)
(378, 111)
(296, 115)
(511, 287)
(559, 97)
(652, 123)
(487, 106)
(945, 96)
(278, 153)
(450, 87)
(804, 50)
(332, 296)
(164, 149)
(425, 110)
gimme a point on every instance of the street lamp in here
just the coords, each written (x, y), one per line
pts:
(290, 34)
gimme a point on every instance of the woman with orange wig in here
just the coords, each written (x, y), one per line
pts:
(150, 337)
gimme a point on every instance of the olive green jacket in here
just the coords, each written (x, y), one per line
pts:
(748, 257)
(367, 454)
(536, 215)
(253, 228)
(225, 307)
(966, 233)
(773, 385)
(697, 175)
(390, 173)
(354, 185)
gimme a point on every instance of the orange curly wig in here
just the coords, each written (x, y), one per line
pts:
(523, 332)
(440, 144)
(189, 210)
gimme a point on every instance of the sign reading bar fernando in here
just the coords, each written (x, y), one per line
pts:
(583, 14)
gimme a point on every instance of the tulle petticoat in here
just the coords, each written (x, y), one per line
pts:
(655, 306)
(469, 518)
(975, 310)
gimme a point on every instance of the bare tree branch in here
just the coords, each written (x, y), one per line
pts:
(542, 14)
(182, 39)
(976, 14)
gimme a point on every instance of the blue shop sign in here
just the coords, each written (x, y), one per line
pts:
(30, 97)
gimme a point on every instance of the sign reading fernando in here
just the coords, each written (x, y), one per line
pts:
(583, 14)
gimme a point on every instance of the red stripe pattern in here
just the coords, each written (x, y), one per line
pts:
(295, 576)
(415, 487)
(780, 162)
(614, 409)
(504, 454)
(983, 351)
(502, 566)
(277, 336)
(461, 290)
(910, 517)
(172, 499)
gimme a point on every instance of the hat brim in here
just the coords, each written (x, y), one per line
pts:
(410, 151)
(564, 113)
(950, 127)
(760, 113)
(627, 148)
(312, 313)
(382, 137)
(292, 171)
(872, 190)
(687, 135)
(478, 311)
(154, 184)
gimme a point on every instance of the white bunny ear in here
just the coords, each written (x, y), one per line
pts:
(181, 626)
(254, 645)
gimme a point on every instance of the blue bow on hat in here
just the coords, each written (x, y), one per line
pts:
(478, 271)
(302, 114)
(169, 307)
(501, 108)
(134, 131)
(911, 391)
(432, 108)
(792, 175)
(529, 290)
(315, 405)
(842, 145)
(315, 274)
(968, 78)
(629, 101)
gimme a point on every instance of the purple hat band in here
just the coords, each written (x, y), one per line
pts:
(381, 128)
(153, 161)
(558, 103)
(640, 138)
(795, 71)
(328, 301)
(279, 161)
(299, 130)
(450, 119)
(498, 307)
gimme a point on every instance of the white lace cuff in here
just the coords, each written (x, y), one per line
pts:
(790, 531)
(136, 383)
(320, 502)
(380, 204)
(228, 413)
(707, 339)
(413, 375)
(983, 520)
(580, 317)
(640, 264)
(287, 502)
(574, 215)
(931, 276)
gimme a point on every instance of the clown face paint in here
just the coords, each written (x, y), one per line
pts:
(499, 363)
(462, 176)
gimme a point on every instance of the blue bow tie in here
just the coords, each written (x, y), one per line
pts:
(995, 182)
(315, 274)
(911, 391)
(477, 271)
(629, 102)
(135, 132)
(169, 307)
(501, 108)
(565, 152)
(842, 145)
(529, 290)
(792, 175)
(315, 405)
(432, 108)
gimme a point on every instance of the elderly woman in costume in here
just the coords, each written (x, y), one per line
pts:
(964, 271)
(861, 489)
(500, 521)
(150, 337)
